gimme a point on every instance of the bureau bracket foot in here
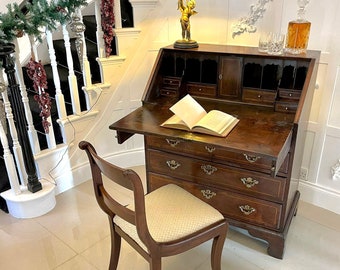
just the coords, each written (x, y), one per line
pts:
(276, 240)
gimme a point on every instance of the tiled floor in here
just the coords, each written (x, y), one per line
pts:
(75, 235)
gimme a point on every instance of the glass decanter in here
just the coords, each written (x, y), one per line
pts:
(298, 31)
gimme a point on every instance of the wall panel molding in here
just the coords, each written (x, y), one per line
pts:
(320, 196)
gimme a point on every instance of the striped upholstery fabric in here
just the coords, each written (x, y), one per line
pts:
(172, 213)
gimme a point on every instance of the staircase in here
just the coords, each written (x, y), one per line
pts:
(63, 71)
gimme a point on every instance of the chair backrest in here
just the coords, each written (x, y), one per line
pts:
(124, 177)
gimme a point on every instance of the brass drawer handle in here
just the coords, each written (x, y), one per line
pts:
(246, 209)
(173, 164)
(172, 142)
(208, 194)
(249, 182)
(208, 169)
(210, 149)
(251, 158)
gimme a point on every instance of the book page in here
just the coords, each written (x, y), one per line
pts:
(216, 121)
(175, 122)
(189, 110)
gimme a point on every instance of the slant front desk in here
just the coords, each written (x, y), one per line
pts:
(248, 174)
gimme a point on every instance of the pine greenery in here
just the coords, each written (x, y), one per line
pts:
(40, 15)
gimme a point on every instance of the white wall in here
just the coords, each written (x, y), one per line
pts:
(323, 147)
(4, 3)
(214, 24)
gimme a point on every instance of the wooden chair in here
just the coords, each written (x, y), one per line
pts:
(165, 222)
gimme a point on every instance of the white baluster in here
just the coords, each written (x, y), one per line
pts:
(78, 27)
(14, 135)
(50, 138)
(9, 162)
(86, 63)
(59, 97)
(99, 33)
(33, 47)
(50, 135)
(118, 15)
(32, 133)
(72, 79)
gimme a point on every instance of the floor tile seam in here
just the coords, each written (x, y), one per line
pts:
(88, 261)
(94, 244)
(56, 236)
(72, 258)
(66, 261)
(77, 252)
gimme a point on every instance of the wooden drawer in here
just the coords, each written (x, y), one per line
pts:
(176, 144)
(170, 87)
(217, 175)
(171, 81)
(201, 90)
(266, 97)
(289, 94)
(286, 106)
(169, 92)
(231, 205)
(214, 153)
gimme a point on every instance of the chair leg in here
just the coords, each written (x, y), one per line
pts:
(115, 248)
(216, 251)
(156, 263)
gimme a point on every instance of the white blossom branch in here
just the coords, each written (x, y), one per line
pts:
(336, 171)
(247, 24)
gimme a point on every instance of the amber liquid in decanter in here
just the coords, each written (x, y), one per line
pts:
(298, 36)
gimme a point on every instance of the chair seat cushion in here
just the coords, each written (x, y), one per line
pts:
(172, 213)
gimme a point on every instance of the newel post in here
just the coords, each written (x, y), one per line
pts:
(6, 49)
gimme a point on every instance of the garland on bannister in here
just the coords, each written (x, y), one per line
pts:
(39, 15)
(36, 72)
(108, 20)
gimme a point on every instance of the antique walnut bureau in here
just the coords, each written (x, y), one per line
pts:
(247, 175)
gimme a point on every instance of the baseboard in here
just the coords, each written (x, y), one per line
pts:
(82, 173)
(320, 196)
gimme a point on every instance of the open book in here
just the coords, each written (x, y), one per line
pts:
(190, 115)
